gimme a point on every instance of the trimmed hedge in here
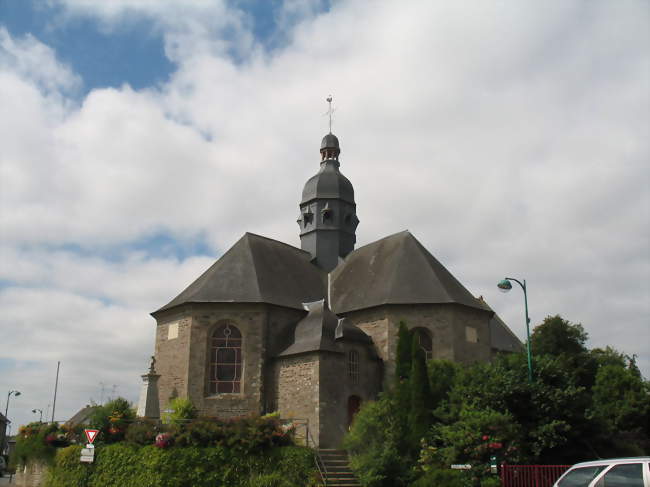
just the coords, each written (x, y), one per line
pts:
(129, 465)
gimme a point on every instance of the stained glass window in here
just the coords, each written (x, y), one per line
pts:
(225, 360)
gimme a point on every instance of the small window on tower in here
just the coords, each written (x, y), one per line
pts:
(328, 214)
(353, 366)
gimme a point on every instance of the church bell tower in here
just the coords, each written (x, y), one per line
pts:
(328, 219)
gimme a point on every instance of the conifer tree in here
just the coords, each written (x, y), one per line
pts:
(419, 416)
(403, 358)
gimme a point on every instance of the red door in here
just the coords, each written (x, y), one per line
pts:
(354, 404)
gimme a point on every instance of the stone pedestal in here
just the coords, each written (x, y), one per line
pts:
(148, 406)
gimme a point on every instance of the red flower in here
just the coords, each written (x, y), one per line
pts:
(486, 437)
(163, 440)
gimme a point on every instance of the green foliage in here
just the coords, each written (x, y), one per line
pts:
(31, 444)
(441, 476)
(475, 437)
(403, 355)
(128, 465)
(621, 404)
(374, 445)
(142, 432)
(419, 414)
(112, 419)
(557, 336)
(67, 469)
(182, 411)
(442, 375)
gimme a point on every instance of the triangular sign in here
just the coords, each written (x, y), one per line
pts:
(91, 435)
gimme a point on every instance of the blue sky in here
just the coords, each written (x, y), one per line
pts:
(131, 52)
(141, 138)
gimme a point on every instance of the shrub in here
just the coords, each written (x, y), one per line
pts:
(142, 432)
(441, 477)
(374, 445)
(129, 465)
(112, 419)
(31, 444)
(182, 411)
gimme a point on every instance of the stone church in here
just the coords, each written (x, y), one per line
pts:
(311, 332)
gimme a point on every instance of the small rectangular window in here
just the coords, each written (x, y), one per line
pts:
(172, 331)
(353, 366)
(470, 334)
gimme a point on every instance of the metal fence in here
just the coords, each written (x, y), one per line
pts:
(531, 475)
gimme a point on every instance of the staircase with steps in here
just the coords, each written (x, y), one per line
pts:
(338, 473)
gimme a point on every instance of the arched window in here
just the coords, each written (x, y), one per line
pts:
(423, 336)
(225, 360)
(353, 366)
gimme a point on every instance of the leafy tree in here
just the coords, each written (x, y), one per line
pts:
(557, 336)
(112, 419)
(621, 399)
(442, 374)
(475, 437)
(374, 445)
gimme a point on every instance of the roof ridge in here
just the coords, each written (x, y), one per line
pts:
(257, 235)
(425, 254)
(249, 245)
(383, 238)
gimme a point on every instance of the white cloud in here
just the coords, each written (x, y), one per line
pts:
(30, 59)
(510, 138)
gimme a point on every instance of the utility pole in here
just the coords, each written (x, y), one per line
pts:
(56, 387)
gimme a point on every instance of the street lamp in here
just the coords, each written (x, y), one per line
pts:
(15, 393)
(505, 285)
(40, 411)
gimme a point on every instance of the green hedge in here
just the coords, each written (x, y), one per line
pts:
(128, 465)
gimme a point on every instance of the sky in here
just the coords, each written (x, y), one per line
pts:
(139, 139)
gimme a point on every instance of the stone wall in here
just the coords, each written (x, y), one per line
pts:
(296, 389)
(183, 354)
(450, 326)
(172, 354)
(30, 475)
(337, 386)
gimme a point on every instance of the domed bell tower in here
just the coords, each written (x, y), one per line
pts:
(328, 219)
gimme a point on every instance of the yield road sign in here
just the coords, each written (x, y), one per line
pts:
(91, 435)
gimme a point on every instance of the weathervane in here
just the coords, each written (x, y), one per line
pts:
(330, 111)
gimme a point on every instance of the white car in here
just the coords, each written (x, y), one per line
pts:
(617, 472)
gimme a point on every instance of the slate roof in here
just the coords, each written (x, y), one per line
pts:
(395, 270)
(82, 416)
(321, 329)
(501, 336)
(257, 270)
(330, 141)
(328, 182)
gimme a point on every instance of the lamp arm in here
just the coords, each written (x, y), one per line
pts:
(523, 286)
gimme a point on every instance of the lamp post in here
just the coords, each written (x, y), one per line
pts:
(40, 411)
(505, 286)
(15, 393)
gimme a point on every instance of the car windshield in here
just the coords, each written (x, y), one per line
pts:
(580, 477)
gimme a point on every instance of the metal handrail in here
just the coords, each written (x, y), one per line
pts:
(319, 461)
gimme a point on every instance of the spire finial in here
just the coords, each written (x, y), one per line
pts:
(329, 110)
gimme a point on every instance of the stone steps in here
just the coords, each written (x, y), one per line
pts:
(338, 469)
